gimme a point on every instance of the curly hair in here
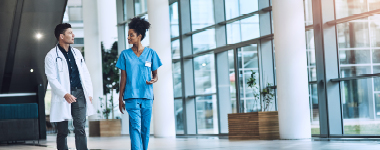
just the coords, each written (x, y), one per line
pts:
(139, 25)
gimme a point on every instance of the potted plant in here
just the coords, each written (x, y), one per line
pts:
(256, 125)
(107, 126)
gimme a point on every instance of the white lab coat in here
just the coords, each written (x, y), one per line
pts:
(57, 74)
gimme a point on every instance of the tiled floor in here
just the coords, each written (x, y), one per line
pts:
(122, 143)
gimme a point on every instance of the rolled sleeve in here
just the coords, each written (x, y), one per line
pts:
(121, 62)
(156, 62)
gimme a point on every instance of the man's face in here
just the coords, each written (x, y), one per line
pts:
(67, 37)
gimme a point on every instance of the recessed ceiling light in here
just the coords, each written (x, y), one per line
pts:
(38, 35)
(31, 70)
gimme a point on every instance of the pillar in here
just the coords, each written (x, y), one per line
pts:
(159, 38)
(291, 69)
(92, 53)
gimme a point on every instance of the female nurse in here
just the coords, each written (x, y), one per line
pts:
(138, 64)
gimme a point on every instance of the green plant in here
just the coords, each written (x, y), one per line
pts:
(252, 84)
(268, 96)
(110, 75)
(106, 111)
(267, 93)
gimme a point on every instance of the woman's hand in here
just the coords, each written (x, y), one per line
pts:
(154, 79)
(121, 106)
(151, 81)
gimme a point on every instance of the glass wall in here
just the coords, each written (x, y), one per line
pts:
(232, 79)
(248, 63)
(312, 69)
(210, 36)
(357, 46)
(202, 13)
(241, 61)
(206, 109)
(141, 6)
(177, 68)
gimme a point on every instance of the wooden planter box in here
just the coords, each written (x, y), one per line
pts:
(253, 126)
(105, 128)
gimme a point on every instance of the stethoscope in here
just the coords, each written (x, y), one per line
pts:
(56, 59)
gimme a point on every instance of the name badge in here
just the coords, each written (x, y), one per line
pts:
(148, 64)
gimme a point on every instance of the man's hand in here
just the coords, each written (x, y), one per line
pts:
(90, 99)
(121, 106)
(70, 98)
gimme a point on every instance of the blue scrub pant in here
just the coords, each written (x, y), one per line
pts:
(140, 113)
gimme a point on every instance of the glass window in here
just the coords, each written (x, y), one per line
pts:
(233, 32)
(345, 8)
(207, 115)
(178, 113)
(354, 56)
(243, 30)
(140, 6)
(312, 73)
(236, 8)
(145, 41)
(376, 81)
(75, 14)
(311, 55)
(357, 103)
(125, 16)
(176, 49)
(177, 79)
(78, 40)
(250, 24)
(313, 98)
(353, 34)
(248, 63)
(232, 79)
(202, 13)
(174, 22)
(204, 41)
(351, 71)
(373, 4)
(204, 74)
(126, 35)
(308, 12)
(374, 30)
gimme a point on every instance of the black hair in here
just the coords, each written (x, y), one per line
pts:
(60, 29)
(139, 25)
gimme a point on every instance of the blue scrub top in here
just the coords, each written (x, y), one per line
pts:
(138, 71)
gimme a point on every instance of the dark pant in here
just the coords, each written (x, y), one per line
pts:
(78, 112)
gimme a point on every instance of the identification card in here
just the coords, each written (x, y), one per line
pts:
(148, 64)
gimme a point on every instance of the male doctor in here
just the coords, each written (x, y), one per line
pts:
(71, 88)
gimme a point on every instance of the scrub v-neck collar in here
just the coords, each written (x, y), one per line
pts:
(140, 54)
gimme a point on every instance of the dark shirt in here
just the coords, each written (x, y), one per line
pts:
(72, 66)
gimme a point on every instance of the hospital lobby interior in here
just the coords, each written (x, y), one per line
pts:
(235, 74)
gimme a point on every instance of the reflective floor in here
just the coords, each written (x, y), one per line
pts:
(122, 143)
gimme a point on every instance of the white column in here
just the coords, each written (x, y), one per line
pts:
(92, 53)
(159, 37)
(291, 69)
(107, 22)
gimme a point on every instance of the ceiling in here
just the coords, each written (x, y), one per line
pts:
(20, 50)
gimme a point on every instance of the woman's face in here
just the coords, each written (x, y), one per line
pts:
(133, 38)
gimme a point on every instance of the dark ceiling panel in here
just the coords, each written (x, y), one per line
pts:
(7, 9)
(30, 51)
